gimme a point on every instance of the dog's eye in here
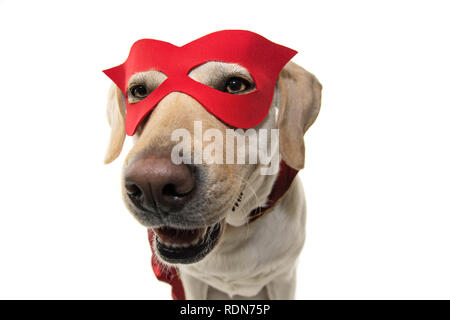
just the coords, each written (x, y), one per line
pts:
(237, 85)
(139, 91)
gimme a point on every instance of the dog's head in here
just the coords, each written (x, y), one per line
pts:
(188, 204)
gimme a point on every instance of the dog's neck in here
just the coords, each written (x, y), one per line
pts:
(284, 180)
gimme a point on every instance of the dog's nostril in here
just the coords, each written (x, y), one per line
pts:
(171, 191)
(133, 191)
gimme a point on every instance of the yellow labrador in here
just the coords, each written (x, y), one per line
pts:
(191, 208)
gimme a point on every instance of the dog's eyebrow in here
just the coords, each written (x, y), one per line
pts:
(137, 78)
(150, 77)
(237, 73)
(235, 70)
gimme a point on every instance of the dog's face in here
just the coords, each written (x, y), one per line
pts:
(188, 205)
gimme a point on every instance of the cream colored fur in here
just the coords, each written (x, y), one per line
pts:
(256, 260)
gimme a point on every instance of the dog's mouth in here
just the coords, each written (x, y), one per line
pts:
(186, 245)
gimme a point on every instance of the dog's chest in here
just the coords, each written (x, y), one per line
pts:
(248, 259)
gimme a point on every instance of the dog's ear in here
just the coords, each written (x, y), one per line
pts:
(116, 118)
(299, 106)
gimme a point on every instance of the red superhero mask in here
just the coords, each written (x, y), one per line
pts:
(262, 58)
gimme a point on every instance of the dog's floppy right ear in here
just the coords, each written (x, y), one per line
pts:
(116, 118)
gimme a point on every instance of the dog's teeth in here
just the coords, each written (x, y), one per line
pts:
(193, 243)
(184, 245)
(199, 239)
(165, 243)
(169, 244)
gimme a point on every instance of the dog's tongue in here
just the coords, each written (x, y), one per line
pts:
(178, 236)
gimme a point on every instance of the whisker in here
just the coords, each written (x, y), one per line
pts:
(247, 185)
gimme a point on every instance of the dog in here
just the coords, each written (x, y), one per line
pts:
(209, 203)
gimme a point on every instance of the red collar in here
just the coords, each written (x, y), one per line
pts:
(284, 180)
(170, 275)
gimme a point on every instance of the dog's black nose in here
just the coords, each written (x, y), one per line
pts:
(153, 181)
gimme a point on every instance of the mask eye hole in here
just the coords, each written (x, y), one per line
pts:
(142, 84)
(237, 85)
(226, 77)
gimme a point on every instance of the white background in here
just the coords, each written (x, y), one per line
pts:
(377, 173)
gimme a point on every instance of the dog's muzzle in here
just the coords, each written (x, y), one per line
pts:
(154, 183)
